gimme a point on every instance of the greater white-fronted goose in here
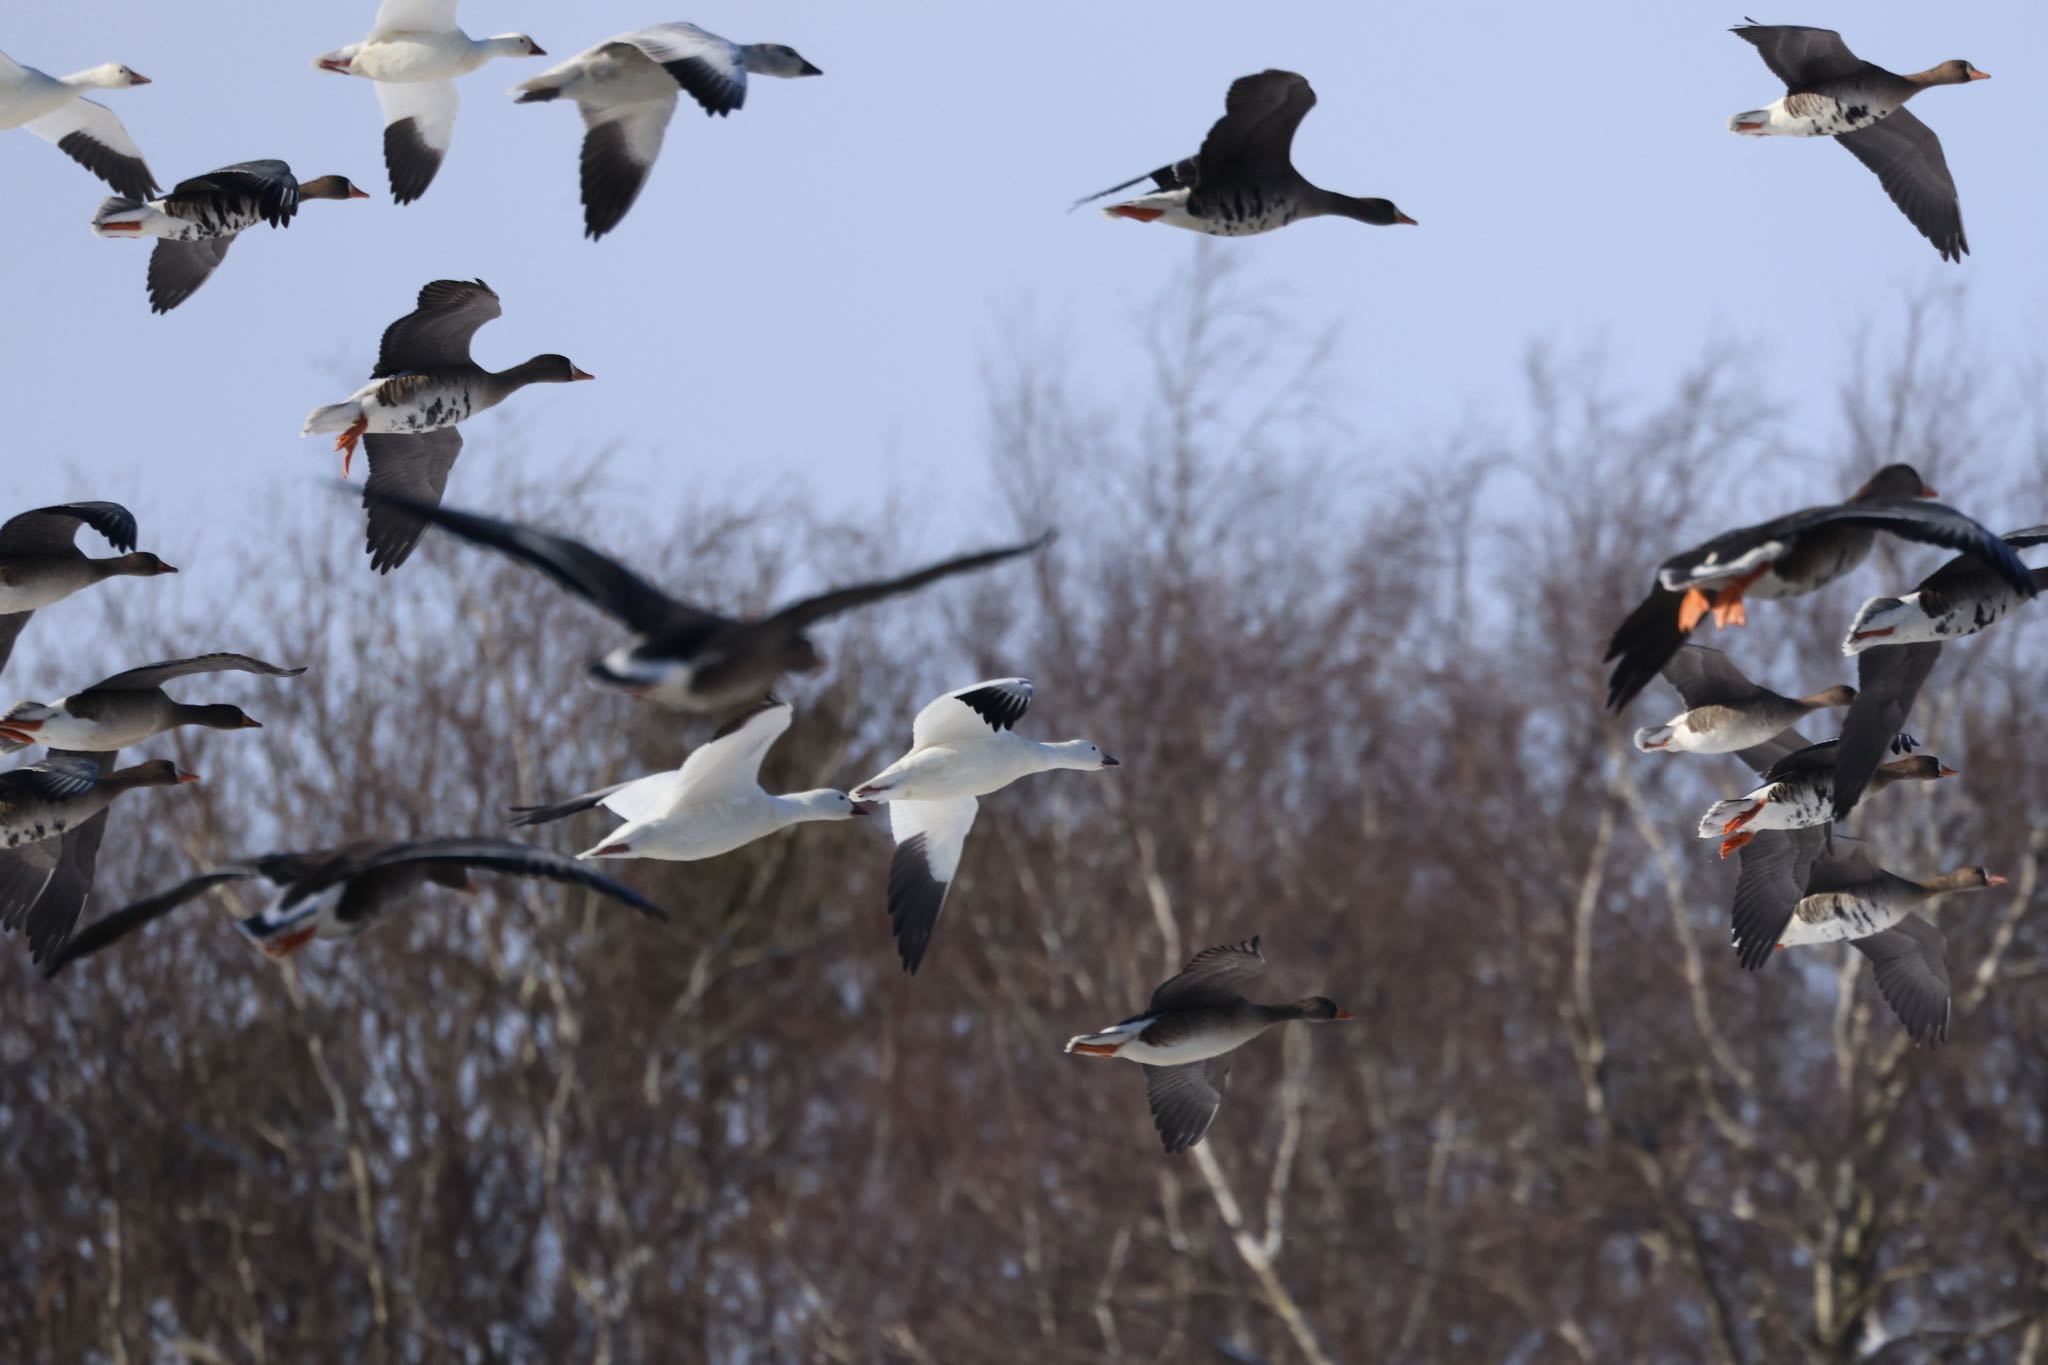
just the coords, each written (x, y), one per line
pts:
(55, 109)
(626, 89)
(713, 804)
(1798, 791)
(52, 815)
(126, 709)
(1897, 641)
(1834, 93)
(414, 53)
(40, 562)
(962, 746)
(1243, 179)
(340, 892)
(1186, 1035)
(1786, 557)
(424, 384)
(1725, 711)
(196, 223)
(680, 656)
(1798, 886)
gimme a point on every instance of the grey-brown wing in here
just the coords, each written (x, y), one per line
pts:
(811, 609)
(1255, 136)
(439, 330)
(1775, 867)
(177, 269)
(54, 530)
(10, 631)
(56, 911)
(1911, 965)
(1707, 677)
(110, 929)
(1800, 56)
(502, 855)
(1888, 679)
(24, 872)
(413, 467)
(1782, 748)
(1184, 1099)
(1211, 977)
(1907, 157)
(157, 674)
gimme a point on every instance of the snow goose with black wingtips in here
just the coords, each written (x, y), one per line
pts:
(962, 746)
(414, 53)
(1185, 1037)
(1834, 93)
(340, 892)
(626, 89)
(41, 564)
(423, 385)
(1788, 556)
(196, 223)
(680, 656)
(1243, 179)
(55, 110)
(713, 804)
(1725, 711)
(1898, 641)
(126, 709)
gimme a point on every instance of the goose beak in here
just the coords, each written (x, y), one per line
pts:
(251, 723)
(1947, 771)
(862, 808)
(1927, 491)
(166, 568)
(184, 776)
(137, 78)
(576, 374)
(355, 193)
(810, 70)
(1109, 762)
(538, 50)
(1994, 880)
(1343, 1014)
(1977, 75)
(1401, 217)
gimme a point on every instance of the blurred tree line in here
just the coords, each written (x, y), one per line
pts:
(1357, 699)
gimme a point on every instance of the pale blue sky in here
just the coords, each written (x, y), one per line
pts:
(808, 290)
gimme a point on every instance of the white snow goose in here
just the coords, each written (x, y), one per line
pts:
(423, 385)
(1243, 179)
(713, 804)
(962, 746)
(338, 893)
(196, 223)
(626, 90)
(683, 657)
(1185, 1037)
(40, 562)
(55, 110)
(414, 53)
(1834, 93)
(128, 708)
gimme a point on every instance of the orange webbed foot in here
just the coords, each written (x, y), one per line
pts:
(1691, 608)
(1735, 841)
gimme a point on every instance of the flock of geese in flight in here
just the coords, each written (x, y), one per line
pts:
(1799, 884)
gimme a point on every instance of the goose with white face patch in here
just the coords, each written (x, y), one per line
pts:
(1243, 182)
(1185, 1037)
(962, 747)
(54, 109)
(196, 223)
(713, 804)
(1834, 93)
(425, 383)
(340, 892)
(41, 564)
(1725, 711)
(626, 88)
(414, 52)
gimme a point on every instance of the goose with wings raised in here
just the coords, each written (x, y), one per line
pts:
(41, 564)
(962, 747)
(627, 88)
(1243, 179)
(196, 223)
(681, 656)
(54, 109)
(338, 893)
(713, 804)
(414, 52)
(1185, 1036)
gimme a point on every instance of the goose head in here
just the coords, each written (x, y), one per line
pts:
(109, 76)
(1894, 483)
(825, 804)
(1318, 1009)
(331, 187)
(547, 369)
(1962, 879)
(141, 564)
(160, 772)
(221, 717)
(513, 45)
(1953, 72)
(776, 59)
(1083, 754)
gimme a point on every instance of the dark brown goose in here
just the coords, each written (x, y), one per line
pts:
(1243, 179)
(1834, 93)
(1786, 557)
(40, 562)
(340, 892)
(1186, 1035)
